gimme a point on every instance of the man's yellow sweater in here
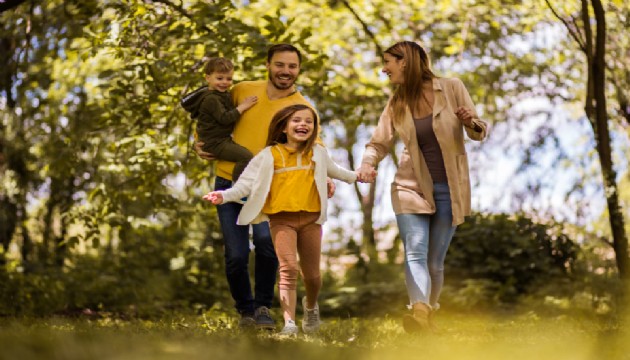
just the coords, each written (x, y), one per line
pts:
(252, 128)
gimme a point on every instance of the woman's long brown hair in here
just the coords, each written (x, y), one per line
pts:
(279, 124)
(417, 70)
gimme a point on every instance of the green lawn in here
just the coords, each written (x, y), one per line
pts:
(213, 336)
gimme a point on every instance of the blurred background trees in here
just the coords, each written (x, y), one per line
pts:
(100, 193)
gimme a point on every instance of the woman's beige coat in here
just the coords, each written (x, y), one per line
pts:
(412, 189)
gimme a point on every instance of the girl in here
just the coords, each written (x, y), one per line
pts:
(286, 184)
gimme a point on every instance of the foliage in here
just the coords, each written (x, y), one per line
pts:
(139, 281)
(97, 180)
(493, 260)
(497, 258)
(99, 191)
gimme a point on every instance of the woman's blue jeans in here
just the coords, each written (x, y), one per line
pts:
(236, 238)
(426, 238)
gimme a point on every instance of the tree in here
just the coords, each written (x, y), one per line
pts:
(10, 4)
(592, 43)
(95, 151)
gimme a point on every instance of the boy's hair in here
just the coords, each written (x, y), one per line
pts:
(281, 119)
(218, 64)
(281, 48)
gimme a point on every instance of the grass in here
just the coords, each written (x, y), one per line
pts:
(214, 336)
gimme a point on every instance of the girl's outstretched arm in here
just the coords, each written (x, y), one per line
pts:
(251, 175)
(335, 171)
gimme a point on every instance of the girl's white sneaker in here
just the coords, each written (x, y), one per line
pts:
(290, 329)
(311, 321)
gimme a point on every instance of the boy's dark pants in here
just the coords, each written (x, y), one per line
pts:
(231, 151)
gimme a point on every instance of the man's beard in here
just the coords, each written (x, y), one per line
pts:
(273, 79)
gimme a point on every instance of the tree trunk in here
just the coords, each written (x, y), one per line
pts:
(594, 48)
(27, 249)
(9, 4)
(602, 135)
(367, 209)
(8, 209)
(595, 108)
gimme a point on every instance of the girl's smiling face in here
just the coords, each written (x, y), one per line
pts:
(299, 128)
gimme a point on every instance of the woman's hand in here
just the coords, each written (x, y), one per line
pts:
(366, 173)
(214, 197)
(465, 115)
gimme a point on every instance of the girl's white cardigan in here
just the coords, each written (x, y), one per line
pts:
(255, 182)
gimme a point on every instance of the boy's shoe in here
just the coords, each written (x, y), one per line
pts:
(311, 321)
(247, 321)
(263, 319)
(289, 329)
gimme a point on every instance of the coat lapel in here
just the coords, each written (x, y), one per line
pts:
(439, 102)
(408, 128)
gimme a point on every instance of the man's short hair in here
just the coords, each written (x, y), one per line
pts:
(282, 48)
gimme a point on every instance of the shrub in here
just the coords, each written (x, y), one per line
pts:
(499, 258)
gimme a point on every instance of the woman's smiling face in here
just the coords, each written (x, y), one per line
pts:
(393, 67)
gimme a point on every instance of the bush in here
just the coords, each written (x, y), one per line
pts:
(496, 259)
(135, 279)
(493, 260)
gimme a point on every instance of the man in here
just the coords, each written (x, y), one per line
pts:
(283, 66)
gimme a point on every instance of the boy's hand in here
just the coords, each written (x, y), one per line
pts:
(247, 103)
(214, 197)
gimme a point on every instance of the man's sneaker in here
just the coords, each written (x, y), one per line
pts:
(311, 320)
(289, 329)
(247, 321)
(263, 319)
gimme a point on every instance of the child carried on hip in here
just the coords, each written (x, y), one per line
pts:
(217, 115)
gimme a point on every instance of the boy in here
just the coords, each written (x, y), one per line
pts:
(218, 115)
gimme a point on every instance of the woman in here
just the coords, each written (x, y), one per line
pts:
(431, 190)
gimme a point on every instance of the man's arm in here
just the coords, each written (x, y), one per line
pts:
(203, 154)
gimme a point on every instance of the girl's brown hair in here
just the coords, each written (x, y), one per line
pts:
(417, 70)
(279, 124)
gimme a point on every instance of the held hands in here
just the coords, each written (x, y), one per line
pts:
(214, 197)
(366, 173)
(202, 154)
(247, 104)
(465, 115)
